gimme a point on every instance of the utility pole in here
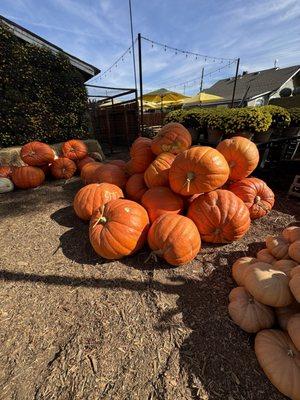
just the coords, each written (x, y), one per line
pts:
(201, 83)
(141, 82)
(235, 79)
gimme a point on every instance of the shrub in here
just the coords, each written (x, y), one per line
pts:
(174, 116)
(218, 118)
(43, 97)
(295, 117)
(248, 119)
(280, 116)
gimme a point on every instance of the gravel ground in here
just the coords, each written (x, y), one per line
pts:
(74, 326)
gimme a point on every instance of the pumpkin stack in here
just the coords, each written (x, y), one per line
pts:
(268, 294)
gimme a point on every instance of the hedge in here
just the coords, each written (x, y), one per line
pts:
(43, 95)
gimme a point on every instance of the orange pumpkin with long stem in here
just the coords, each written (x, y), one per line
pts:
(173, 138)
(136, 187)
(157, 174)
(74, 149)
(36, 154)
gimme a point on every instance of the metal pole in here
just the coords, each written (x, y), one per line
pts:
(141, 82)
(132, 44)
(201, 83)
(235, 79)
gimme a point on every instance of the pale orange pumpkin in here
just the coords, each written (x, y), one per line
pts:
(265, 256)
(172, 138)
(278, 247)
(294, 251)
(239, 267)
(248, 313)
(241, 154)
(291, 234)
(293, 327)
(283, 314)
(295, 282)
(285, 266)
(157, 174)
(136, 187)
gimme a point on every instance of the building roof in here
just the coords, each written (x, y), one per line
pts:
(30, 37)
(259, 82)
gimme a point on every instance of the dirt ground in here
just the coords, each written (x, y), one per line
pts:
(74, 326)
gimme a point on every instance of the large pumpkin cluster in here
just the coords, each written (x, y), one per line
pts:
(172, 195)
(268, 293)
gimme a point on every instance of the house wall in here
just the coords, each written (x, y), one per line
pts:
(291, 84)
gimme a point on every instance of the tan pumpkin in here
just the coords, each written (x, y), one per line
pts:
(242, 156)
(285, 266)
(157, 174)
(268, 286)
(294, 251)
(265, 256)
(295, 282)
(278, 247)
(239, 267)
(136, 187)
(248, 313)
(173, 138)
(280, 361)
(291, 234)
(283, 314)
(293, 328)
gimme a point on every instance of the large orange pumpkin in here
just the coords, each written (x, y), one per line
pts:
(6, 171)
(280, 361)
(136, 187)
(220, 216)
(119, 228)
(175, 238)
(157, 174)
(255, 193)
(173, 138)
(74, 149)
(27, 177)
(197, 170)
(94, 196)
(37, 154)
(86, 160)
(88, 172)
(141, 156)
(63, 168)
(111, 174)
(161, 200)
(241, 154)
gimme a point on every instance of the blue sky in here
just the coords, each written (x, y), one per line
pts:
(98, 31)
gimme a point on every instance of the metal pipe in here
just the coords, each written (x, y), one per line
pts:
(141, 82)
(235, 79)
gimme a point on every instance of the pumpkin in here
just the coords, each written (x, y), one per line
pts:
(294, 251)
(283, 314)
(295, 282)
(277, 246)
(118, 229)
(27, 177)
(267, 285)
(293, 328)
(175, 238)
(290, 234)
(6, 185)
(89, 171)
(63, 168)
(265, 256)
(285, 266)
(197, 170)
(172, 138)
(37, 154)
(6, 171)
(136, 187)
(280, 361)
(239, 267)
(248, 313)
(161, 200)
(119, 163)
(241, 154)
(157, 174)
(81, 163)
(74, 149)
(255, 193)
(141, 156)
(220, 216)
(94, 196)
(111, 174)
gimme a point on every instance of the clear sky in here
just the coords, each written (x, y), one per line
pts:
(98, 32)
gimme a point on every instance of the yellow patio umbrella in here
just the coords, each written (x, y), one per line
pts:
(164, 97)
(202, 98)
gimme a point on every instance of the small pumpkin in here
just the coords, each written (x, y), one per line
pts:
(172, 138)
(248, 313)
(6, 185)
(198, 170)
(89, 171)
(141, 156)
(63, 168)
(81, 163)
(111, 174)
(267, 285)
(161, 200)
(118, 229)
(285, 266)
(293, 327)
(94, 196)
(136, 187)
(241, 154)
(220, 216)
(290, 234)
(27, 177)
(278, 247)
(295, 282)
(157, 174)
(280, 361)
(294, 251)
(265, 256)
(6, 171)
(74, 149)
(283, 314)
(255, 193)
(37, 154)
(175, 238)
(119, 163)
(239, 267)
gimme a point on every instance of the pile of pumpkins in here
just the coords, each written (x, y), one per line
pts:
(173, 196)
(41, 161)
(268, 292)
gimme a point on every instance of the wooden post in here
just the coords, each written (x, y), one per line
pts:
(108, 131)
(141, 82)
(201, 83)
(235, 79)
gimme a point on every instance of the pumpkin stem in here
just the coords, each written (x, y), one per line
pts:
(290, 353)
(257, 201)
(189, 177)
(101, 219)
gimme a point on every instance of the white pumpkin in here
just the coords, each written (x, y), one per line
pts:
(6, 185)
